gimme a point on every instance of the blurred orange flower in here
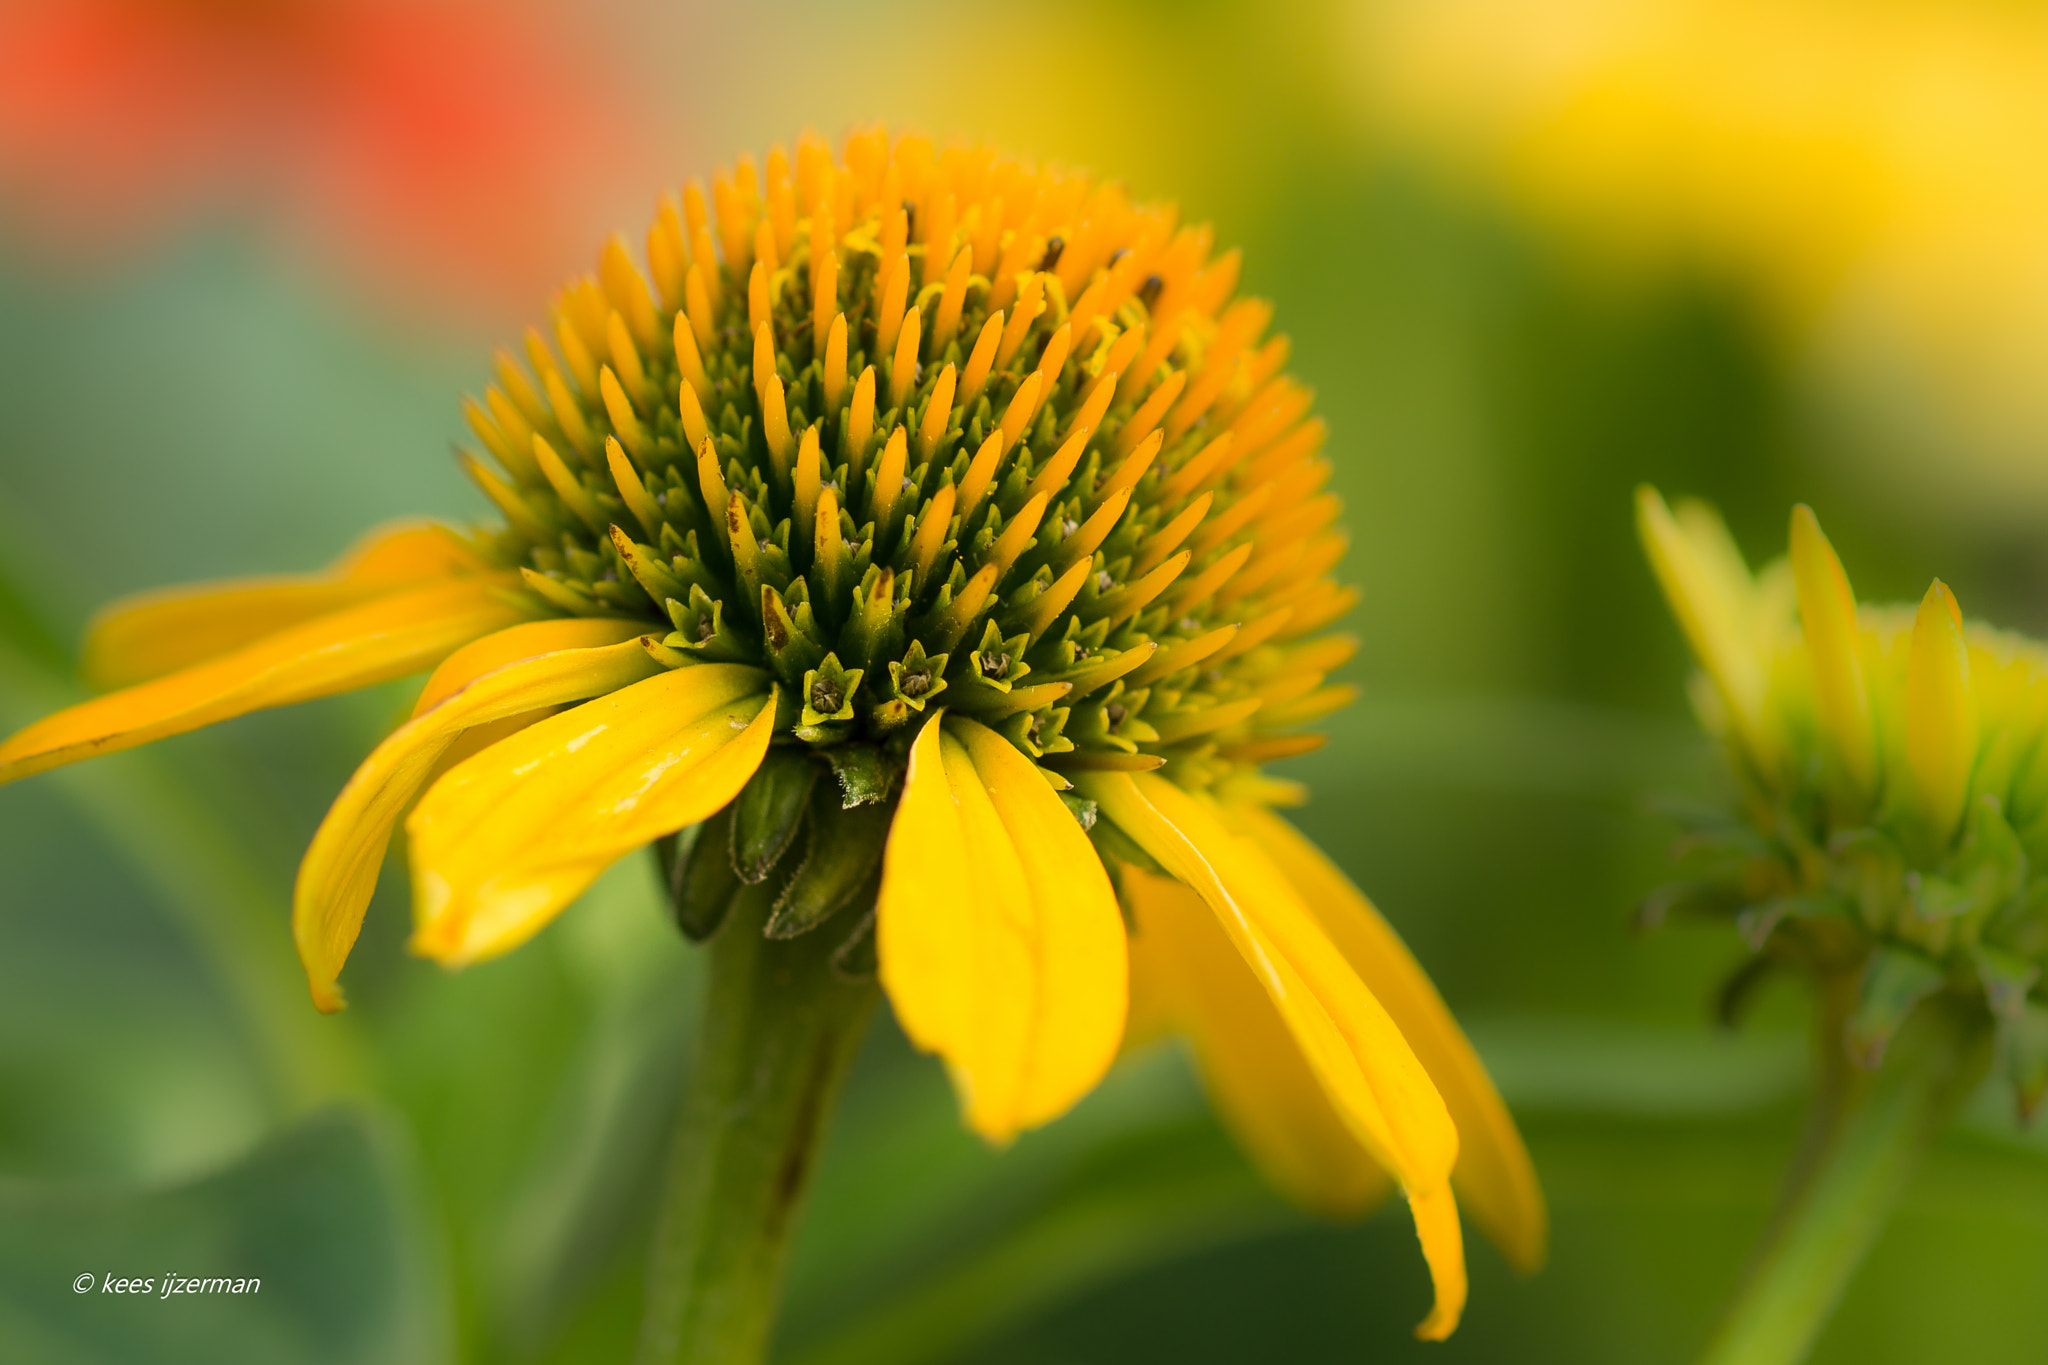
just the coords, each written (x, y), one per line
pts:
(457, 145)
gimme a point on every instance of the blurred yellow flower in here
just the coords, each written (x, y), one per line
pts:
(1874, 170)
(951, 477)
(1894, 786)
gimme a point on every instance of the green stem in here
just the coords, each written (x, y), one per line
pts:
(779, 1031)
(1869, 1133)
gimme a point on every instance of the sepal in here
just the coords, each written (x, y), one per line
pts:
(1894, 981)
(770, 812)
(697, 867)
(845, 851)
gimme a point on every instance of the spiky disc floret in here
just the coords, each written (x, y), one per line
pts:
(1891, 830)
(915, 428)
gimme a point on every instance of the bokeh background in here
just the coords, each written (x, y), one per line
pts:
(1530, 254)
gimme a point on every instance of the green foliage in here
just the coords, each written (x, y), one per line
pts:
(319, 1231)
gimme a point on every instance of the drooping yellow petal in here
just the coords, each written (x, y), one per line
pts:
(1443, 1247)
(512, 674)
(1000, 941)
(1494, 1177)
(154, 633)
(1371, 1075)
(1827, 618)
(506, 839)
(924, 939)
(1704, 582)
(524, 641)
(1189, 977)
(399, 633)
(1082, 964)
(1941, 713)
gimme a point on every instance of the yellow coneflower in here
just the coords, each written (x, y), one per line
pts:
(1894, 781)
(939, 544)
(1890, 821)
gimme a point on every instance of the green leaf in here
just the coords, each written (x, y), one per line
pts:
(581, 1210)
(318, 1225)
(1156, 1196)
(920, 1239)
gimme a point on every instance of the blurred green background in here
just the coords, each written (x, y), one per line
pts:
(207, 376)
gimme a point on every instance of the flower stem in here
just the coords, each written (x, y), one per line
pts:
(778, 1033)
(1868, 1134)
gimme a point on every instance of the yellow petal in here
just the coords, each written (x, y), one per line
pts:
(524, 641)
(154, 633)
(1941, 712)
(1827, 619)
(408, 552)
(506, 839)
(1494, 1177)
(1189, 977)
(1077, 936)
(1706, 584)
(923, 939)
(1443, 1247)
(399, 633)
(560, 661)
(1371, 1075)
(1000, 941)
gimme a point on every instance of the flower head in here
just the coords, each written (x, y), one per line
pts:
(929, 547)
(1892, 778)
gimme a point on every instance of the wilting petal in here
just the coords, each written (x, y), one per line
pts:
(399, 633)
(1494, 1177)
(1000, 941)
(1366, 1067)
(506, 839)
(555, 662)
(1184, 967)
(154, 633)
